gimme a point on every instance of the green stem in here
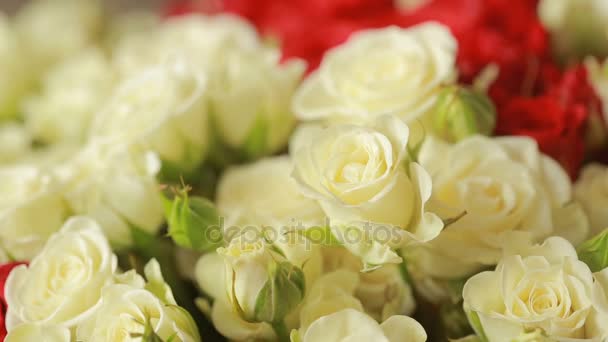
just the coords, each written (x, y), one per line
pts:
(281, 330)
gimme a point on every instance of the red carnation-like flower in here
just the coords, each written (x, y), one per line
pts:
(556, 119)
(5, 270)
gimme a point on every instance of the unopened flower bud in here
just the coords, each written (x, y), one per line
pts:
(460, 112)
(261, 285)
(193, 222)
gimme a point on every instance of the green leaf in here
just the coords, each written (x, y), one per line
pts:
(594, 252)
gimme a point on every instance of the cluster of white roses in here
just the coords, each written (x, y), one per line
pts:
(73, 288)
(388, 188)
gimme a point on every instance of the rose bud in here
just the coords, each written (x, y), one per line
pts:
(461, 112)
(261, 285)
(193, 222)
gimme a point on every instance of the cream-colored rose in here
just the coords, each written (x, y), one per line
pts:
(367, 185)
(353, 325)
(264, 194)
(250, 94)
(14, 63)
(202, 40)
(382, 292)
(578, 27)
(211, 278)
(72, 91)
(543, 289)
(383, 71)
(37, 332)
(599, 317)
(15, 142)
(115, 186)
(249, 90)
(31, 209)
(331, 293)
(591, 190)
(124, 311)
(162, 108)
(127, 307)
(52, 30)
(62, 285)
(507, 191)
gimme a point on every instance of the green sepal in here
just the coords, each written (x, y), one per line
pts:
(594, 252)
(319, 235)
(473, 318)
(282, 293)
(193, 222)
(256, 143)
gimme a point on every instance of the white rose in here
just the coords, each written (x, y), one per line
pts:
(591, 190)
(544, 288)
(31, 209)
(507, 191)
(115, 186)
(264, 194)
(126, 308)
(15, 142)
(250, 94)
(16, 76)
(578, 27)
(37, 332)
(382, 292)
(73, 24)
(597, 326)
(384, 71)
(162, 108)
(62, 285)
(202, 40)
(71, 93)
(363, 177)
(211, 278)
(331, 293)
(124, 311)
(353, 325)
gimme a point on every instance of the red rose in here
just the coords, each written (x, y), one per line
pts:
(5, 270)
(556, 119)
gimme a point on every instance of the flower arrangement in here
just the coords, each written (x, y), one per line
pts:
(304, 171)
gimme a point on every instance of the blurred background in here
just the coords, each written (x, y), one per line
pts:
(10, 6)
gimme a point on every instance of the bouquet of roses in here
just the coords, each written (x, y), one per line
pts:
(304, 171)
